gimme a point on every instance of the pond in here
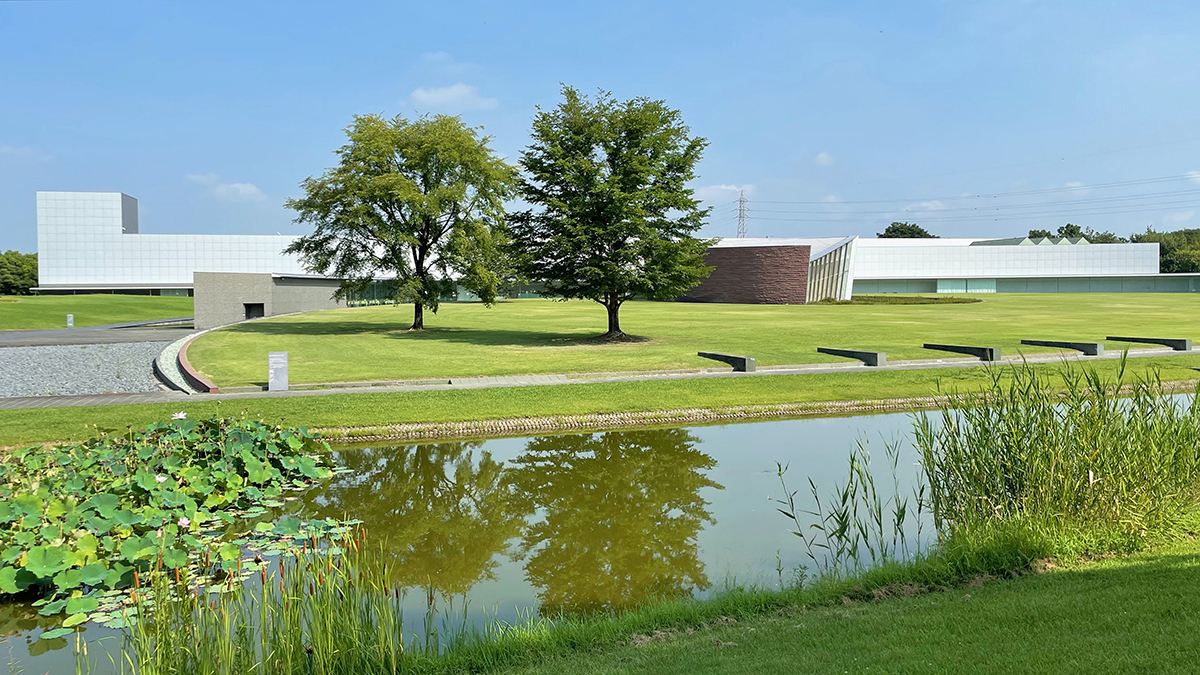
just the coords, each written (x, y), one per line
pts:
(495, 529)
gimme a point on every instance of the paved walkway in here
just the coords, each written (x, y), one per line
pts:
(560, 379)
(160, 330)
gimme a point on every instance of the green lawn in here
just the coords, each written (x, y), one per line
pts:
(32, 312)
(1138, 614)
(541, 336)
(374, 409)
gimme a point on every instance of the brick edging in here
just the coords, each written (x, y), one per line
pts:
(191, 375)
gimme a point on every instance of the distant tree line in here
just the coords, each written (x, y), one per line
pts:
(18, 272)
(1178, 251)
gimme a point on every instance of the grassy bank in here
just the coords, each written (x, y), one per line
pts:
(540, 336)
(50, 311)
(379, 409)
(1122, 615)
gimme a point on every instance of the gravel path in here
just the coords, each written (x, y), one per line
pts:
(79, 369)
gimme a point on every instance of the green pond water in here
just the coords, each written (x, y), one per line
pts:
(575, 522)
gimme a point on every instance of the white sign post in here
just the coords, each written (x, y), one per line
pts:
(70, 321)
(277, 376)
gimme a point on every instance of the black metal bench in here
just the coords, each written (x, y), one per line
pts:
(984, 353)
(1178, 344)
(869, 358)
(1088, 348)
(741, 364)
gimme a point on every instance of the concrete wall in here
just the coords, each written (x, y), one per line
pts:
(221, 297)
(761, 275)
(303, 295)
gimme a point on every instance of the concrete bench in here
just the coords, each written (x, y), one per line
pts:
(869, 358)
(741, 364)
(1178, 344)
(984, 353)
(1088, 348)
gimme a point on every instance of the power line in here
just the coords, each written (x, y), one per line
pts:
(998, 195)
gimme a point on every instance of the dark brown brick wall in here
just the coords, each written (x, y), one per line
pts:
(755, 275)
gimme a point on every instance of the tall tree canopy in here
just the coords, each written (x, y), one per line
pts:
(612, 215)
(418, 199)
(1178, 251)
(18, 272)
(905, 231)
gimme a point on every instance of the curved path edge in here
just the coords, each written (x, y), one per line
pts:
(193, 377)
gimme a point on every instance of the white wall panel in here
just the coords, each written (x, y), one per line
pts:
(941, 258)
(80, 241)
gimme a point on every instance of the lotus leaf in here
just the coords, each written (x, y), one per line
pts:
(45, 561)
(93, 574)
(74, 620)
(82, 604)
(14, 580)
(174, 557)
(56, 633)
(53, 608)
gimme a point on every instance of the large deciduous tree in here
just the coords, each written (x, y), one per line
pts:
(612, 217)
(18, 272)
(418, 199)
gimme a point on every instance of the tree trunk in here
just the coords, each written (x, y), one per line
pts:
(418, 316)
(613, 305)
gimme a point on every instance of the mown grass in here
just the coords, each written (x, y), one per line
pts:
(541, 336)
(376, 409)
(1131, 614)
(34, 312)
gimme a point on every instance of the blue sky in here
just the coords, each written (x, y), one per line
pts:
(836, 118)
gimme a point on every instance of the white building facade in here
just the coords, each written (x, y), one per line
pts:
(90, 242)
(839, 267)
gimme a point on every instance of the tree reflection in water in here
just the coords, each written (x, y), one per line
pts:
(604, 521)
(443, 510)
(622, 512)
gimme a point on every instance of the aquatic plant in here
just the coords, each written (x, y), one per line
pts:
(1087, 463)
(330, 604)
(854, 527)
(81, 519)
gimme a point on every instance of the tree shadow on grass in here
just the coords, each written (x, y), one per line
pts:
(391, 330)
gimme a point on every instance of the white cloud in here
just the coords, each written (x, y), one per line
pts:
(931, 205)
(228, 192)
(1078, 188)
(832, 199)
(455, 98)
(443, 63)
(722, 192)
(1194, 175)
(23, 152)
(1181, 217)
(824, 159)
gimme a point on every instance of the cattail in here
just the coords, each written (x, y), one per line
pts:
(136, 580)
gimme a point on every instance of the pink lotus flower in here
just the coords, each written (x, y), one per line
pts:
(160, 478)
(185, 522)
(179, 416)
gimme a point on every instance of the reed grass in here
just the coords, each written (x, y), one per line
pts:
(1089, 464)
